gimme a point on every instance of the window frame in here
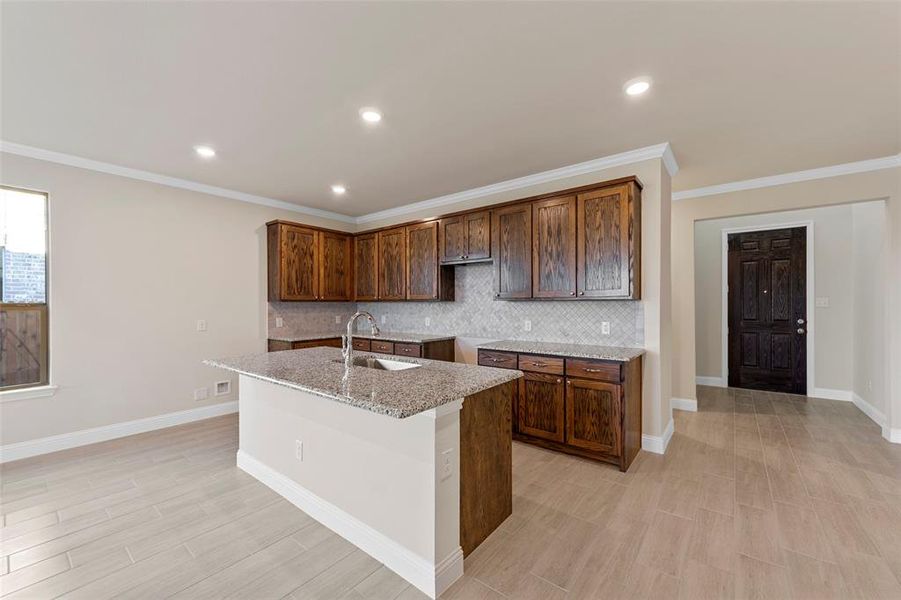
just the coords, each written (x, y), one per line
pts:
(44, 308)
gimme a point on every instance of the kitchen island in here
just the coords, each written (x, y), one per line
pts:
(409, 459)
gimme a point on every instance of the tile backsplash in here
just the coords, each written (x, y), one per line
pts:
(475, 313)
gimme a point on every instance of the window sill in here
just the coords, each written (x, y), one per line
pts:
(41, 391)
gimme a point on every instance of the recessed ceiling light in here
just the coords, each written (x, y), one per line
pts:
(637, 86)
(338, 189)
(205, 151)
(370, 115)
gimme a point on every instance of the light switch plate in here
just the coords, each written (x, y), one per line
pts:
(279, 322)
(201, 325)
(428, 322)
(337, 319)
(822, 301)
(527, 325)
(605, 327)
(201, 394)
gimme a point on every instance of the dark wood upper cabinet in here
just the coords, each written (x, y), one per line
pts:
(293, 262)
(465, 238)
(392, 254)
(593, 415)
(554, 248)
(511, 235)
(422, 261)
(335, 266)
(540, 411)
(366, 269)
(609, 242)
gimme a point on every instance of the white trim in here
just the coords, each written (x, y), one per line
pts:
(830, 394)
(185, 184)
(660, 151)
(687, 404)
(55, 443)
(892, 435)
(711, 381)
(658, 444)
(810, 252)
(868, 409)
(863, 166)
(40, 391)
(430, 579)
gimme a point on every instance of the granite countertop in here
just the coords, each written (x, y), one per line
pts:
(397, 394)
(561, 349)
(388, 336)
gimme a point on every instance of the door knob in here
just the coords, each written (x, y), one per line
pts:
(800, 330)
(800, 321)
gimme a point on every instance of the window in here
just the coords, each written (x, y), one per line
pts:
(23, 289)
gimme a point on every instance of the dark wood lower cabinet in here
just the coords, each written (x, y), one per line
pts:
(277, 345)
(434, 350)
(589, 408)
(540, 411)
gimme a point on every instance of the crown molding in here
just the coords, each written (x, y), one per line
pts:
(185, 184)
(658, 151)
(863, 166)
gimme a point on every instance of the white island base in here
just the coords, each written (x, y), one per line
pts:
(390, 486)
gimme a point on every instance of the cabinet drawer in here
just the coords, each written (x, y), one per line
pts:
(408, 349)
(593, 369)
(504, 360)
(541, 364)
(361, 344)
(330, 342)
(384, 347)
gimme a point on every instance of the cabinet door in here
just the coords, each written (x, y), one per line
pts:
(335, 271)
(366, 267)
(511, 234)
(422, 261)
(608, 243)
(452, 239)
(299, 258)
(554, 248)
(478, 235)
(540, 406)
(594, 416)
(392, 264)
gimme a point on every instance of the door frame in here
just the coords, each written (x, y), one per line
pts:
(810, 291)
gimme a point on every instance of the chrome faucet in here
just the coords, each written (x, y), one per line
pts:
(347, 340)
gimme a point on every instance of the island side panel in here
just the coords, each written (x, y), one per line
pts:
(486, 464)
(631, 412)
(368, 468)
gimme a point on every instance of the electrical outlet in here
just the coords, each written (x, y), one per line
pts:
(428, 322)
(384, 318)
(527, 325)
(298, 450)
(201, 325)
(447, 463)
(869, 385)
(201, 393)
(337, 319)
(605, 327)
(279, 322)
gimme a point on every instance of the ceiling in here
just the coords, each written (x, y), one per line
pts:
(472, 93)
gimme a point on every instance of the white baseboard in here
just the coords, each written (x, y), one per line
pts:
(689, 404)
(892, 435)
(876, 415)
(431, 579)
(658, 444)
(711, 381)
(829, 394)
(64, 441)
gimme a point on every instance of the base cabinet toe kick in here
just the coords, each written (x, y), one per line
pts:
(585, 407)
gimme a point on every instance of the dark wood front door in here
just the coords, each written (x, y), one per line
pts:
(768, 310)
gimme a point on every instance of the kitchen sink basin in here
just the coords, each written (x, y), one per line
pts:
(381, 364)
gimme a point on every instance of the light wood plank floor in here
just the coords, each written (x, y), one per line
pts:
(759, 495)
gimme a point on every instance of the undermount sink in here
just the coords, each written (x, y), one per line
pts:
(381, 364)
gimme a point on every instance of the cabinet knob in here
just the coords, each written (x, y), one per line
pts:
(462, 257)
(558, 381)
(582, 293)
(568, 382)
(497, 295)
(465, 257)
(572, 293)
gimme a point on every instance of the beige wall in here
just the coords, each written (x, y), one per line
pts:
(868, 319)
(133, 265)
(874, 185)
(832, 326)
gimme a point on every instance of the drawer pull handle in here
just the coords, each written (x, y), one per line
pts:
(588, 370)
(538, 364)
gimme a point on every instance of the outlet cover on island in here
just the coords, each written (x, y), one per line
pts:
(527, 325)
(279, 322)
(605, 327)
(201, 393)
(447, 463)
